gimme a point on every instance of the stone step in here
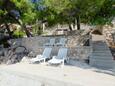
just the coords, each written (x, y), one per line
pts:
(99, 51)
(100, 47)
(104, 64)
(108, 55)
(101, 58)
(101, 66)
(97, 48)
(102, 53)
(99, 42)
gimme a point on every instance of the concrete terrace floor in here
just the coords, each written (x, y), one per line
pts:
(24, 74)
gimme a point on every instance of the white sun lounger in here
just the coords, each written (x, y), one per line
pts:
(61, 42)
(60, 58)
(50, 43)
(43, 57)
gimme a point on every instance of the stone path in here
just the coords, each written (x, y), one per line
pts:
(101, 56)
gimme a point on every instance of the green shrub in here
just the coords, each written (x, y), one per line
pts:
(18, 33)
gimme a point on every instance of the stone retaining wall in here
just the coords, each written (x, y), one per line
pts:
(36, 44)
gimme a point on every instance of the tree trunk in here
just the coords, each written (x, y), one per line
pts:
(70, 27)
(43, 26)
(75, 24)
(58, 26)
(78, 22)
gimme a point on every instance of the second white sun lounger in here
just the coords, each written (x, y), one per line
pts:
(60, 58)
(43, 57)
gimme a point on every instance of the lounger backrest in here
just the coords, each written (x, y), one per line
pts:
(62, 53)
(52, 41)
(62, 40)
(47, 52)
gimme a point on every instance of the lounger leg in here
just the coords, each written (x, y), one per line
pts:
(62, 64)
(30, 62)
(44, 60)
(68, 60)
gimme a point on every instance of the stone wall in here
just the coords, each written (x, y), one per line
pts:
(36, 44)
(109, 34)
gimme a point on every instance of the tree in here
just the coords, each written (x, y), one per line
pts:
(95, 11)
(5, 18)
(17, 11)
(27, 14)
(88, 11)
(56, 11)
(105, 14)
(69, 12)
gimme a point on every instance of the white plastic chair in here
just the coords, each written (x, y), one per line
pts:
(60, 58)
(45, 55)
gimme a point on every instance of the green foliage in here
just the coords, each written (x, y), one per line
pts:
(57, 5)
(53, 10)
(37, 29)
(105, 14)
(18, 33)
(90, 11)
(96, 12)
(26, 8)
(1, 12)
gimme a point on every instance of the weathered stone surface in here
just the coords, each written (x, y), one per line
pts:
(102, 63)
(101, 56)
(36, 43)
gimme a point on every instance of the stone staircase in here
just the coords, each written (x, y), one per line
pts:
(101, 55)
